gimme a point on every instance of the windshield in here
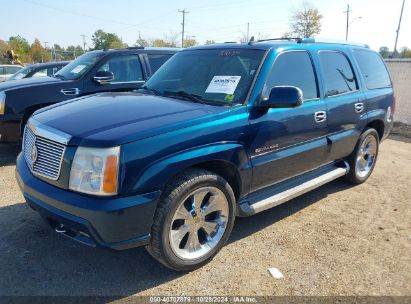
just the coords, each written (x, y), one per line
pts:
(222, 76)
(77, 68)
(21, 73)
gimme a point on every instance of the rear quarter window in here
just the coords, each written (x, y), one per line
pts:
(373, 69)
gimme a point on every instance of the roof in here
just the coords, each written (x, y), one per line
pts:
(49, 63)
(143, 50)
(279, 42)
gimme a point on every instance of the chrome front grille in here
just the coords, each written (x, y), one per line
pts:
(43, 156)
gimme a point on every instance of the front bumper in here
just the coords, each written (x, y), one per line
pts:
(117, 223)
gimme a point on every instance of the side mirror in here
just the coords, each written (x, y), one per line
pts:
(103, 77)
(283, 97)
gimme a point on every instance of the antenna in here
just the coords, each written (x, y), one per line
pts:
(251, 42)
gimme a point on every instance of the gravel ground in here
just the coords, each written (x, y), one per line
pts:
(336, 240)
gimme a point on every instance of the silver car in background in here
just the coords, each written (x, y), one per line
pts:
(7, 70)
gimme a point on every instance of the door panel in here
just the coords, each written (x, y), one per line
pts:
(346, 106)
(288, 142)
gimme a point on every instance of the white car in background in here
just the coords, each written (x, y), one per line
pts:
(7, 70)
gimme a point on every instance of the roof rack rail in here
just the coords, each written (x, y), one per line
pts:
(332, 41)
(283, 38)
(135, 47)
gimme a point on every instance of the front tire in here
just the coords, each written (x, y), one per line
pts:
(364, 157)
(193, 220)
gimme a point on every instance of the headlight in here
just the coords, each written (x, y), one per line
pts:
(2, 102)
(95, 171)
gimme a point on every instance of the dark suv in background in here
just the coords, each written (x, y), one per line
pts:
(96, 71)
(219, 131)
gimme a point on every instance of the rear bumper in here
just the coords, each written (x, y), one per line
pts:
(117, 223)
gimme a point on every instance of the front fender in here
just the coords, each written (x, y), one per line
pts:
(157, 174)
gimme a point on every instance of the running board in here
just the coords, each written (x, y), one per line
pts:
(287, 190)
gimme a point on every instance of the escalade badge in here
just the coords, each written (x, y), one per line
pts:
(33, 153)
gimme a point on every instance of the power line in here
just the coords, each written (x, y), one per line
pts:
(184, 12)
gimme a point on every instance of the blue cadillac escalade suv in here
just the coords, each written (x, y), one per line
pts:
(219, 131)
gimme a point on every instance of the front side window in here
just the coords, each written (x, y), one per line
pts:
(80, 66)
(218, 76)
(125, 68)
(373, 69)
(338, 74)
(293, 69)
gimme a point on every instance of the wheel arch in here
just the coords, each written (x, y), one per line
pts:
(229, 160)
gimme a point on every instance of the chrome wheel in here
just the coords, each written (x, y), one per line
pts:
(366, 156)
(199, 223)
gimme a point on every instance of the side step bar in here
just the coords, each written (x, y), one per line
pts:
(287, 190)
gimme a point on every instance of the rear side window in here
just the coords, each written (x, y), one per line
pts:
(157, 60)
(293, 69)
(338, 74)
(373, 69)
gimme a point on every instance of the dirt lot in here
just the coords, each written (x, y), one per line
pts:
(336, 240)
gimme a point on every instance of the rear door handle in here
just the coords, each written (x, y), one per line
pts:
(320, 116)
(359, 107)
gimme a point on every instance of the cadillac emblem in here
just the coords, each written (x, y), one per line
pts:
(34, 153)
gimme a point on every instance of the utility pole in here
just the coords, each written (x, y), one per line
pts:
(248, 31)
(348, 20)
(184, 12)
(84, 42)
(398, 30)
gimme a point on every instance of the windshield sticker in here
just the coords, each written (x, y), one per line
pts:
(223, 84)
(229, 97)
(78, 69)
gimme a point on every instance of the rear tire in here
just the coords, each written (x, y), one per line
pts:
(193, 220)
(364, 157)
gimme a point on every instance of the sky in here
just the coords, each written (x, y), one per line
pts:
(62, 22)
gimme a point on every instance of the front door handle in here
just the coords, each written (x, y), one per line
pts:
(359, 107)
(320, 116)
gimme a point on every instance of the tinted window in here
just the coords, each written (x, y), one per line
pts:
(157, 60)
(373, 69)
(293, 69)
(1, 70)
(124, 67)
(338, 74)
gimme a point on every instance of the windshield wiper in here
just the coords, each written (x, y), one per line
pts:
(184, 94)
(59, 76)
(151, 91)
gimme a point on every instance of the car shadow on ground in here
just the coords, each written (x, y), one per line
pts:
(36, 261)
(8, 153)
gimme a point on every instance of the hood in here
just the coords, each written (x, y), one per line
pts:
(27, 82)
(111, 119)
